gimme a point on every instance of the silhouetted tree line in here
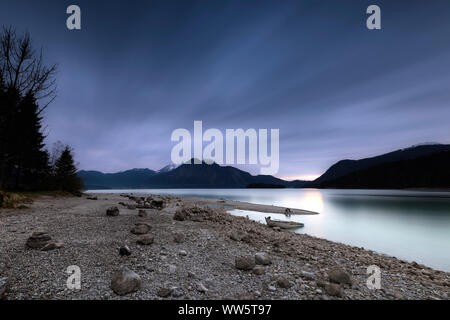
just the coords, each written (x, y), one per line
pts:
(25, 81)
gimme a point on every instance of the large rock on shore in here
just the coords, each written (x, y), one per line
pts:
(145, 240)
(178, 237)
(337, 275)
(245, 263)
(141, 228)
(333, 289)
(112, 212)
(284, 283)
(262, 258)
(39, 240)
(125, 281)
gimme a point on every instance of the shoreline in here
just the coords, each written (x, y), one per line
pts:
(300, 264)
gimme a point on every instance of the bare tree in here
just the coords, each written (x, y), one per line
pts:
(23, 70)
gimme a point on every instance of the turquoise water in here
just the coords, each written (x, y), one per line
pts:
(410, 225)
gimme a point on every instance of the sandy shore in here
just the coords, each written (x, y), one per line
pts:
(191, 259)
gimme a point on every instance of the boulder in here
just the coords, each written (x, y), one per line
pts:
(180, 215)
(141, 228)
(262, 258)
(245, 263)
(337, 275)
(125, 281)
(112, 212)
(145, 240)
(157, 204)
(182, 253)
(178, 237)
(124, 251)
(333, 289)
(3, 287)
(238, 235)
(38, 240)
(284, 283)
(259, 270)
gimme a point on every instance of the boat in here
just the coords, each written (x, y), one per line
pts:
(283, 224)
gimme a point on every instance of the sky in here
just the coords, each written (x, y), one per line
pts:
(137, 70)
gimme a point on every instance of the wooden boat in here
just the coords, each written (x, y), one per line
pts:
(283, 224)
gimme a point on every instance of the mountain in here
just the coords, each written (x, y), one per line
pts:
(185, 176)
(168, 168)
(346, 167)
(430, 171)
(130, 179)
(422, 166)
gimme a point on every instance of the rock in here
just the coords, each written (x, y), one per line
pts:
(131, 207)
(259, 270)
(238, 235)
(52, 246)
(157, 204)
(172, 268)
(141, 228)
(125, 281)
(271, 288)
(321, 283)
(182, 253)
(337, 275)
(92, 198)
(142, 213)
(178, 237)
(112, 212)
(308, 275)
(177, 293)
(3, 287)
(244, 263)
(333, 289)
(180, 215)
(164, 292)
(201, 288)
(262, 258)
(398, 296)
(38, 240)
(145, 240)
(276, 228)
(124, 251)
(284, 283)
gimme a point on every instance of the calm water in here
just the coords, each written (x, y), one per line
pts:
(411, 225)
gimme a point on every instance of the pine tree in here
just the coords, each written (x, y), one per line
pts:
(66, 172)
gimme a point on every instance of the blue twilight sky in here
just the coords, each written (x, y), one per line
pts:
(140, 69)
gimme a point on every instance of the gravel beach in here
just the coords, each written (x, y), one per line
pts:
(203, 253)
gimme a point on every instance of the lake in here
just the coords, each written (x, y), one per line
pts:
(410, 225)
